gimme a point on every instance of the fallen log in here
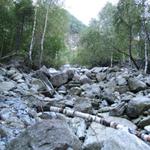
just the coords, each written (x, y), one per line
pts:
(101, 121)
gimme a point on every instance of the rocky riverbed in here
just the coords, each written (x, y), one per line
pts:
(116, 94)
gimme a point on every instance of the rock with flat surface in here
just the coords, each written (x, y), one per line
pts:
(59, 79)
(137, 106)
(135, 85)
(91, 91)
(7, 85)
(47, 135)
(104, 138)
(101, 76)
(83, 104)
(84, 79)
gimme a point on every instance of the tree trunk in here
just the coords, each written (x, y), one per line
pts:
(32, 39)
(146, 57)
(99, 120)
(130, 49)
(19, 35)
(111, 60)
(2, 46)
(43, 36)
(146, 37)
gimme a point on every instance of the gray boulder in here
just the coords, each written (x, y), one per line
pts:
(48, 135)
(101, 76)
(83, 104)
(59, 79)
(91, 91)
(7, 85)
(105, 138)
(135, 85)
(121, 81)
(84, 79)
(137, 106)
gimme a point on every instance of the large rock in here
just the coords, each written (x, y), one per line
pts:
(84, 79)
(91, 91)
(7, 85)
(105, 138)
(101, 76)
(59, 79)
(48, 135)
(121, 81)
(137, 106)
(136, 85)
(83, 104)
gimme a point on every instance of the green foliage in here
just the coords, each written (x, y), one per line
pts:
(118, 33)
(16, 25)
(57, 27)
(98, 40)
(6, 26)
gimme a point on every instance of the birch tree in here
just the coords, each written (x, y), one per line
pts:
(43, 36)
(146, 35)
(128, 19)
(49, 3)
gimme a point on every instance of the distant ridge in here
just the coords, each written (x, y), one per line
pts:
(75, 25)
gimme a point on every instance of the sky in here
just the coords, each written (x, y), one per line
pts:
(84, 10)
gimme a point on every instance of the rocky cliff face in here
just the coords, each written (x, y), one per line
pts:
(117, 94)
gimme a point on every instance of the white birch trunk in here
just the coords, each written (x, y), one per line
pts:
(146, 58)
(43, 35)
(102, 121)
(32, 39)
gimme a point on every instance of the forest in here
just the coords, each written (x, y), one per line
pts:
(68, 85)
(38, 31)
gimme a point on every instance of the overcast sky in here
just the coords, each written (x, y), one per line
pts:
(84, 10)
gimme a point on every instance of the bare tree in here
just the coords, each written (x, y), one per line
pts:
(146, 34)
(33, 33)
(43, 35)
(49, 4)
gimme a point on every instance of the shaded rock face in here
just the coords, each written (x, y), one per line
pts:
(48, 135)
(59, 79)
(136, 85)
(137, 106)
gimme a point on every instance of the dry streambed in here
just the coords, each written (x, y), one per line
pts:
(117, 94)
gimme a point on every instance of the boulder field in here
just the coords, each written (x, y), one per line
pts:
(117, 94)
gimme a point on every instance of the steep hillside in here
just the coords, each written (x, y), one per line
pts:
(75, 25)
